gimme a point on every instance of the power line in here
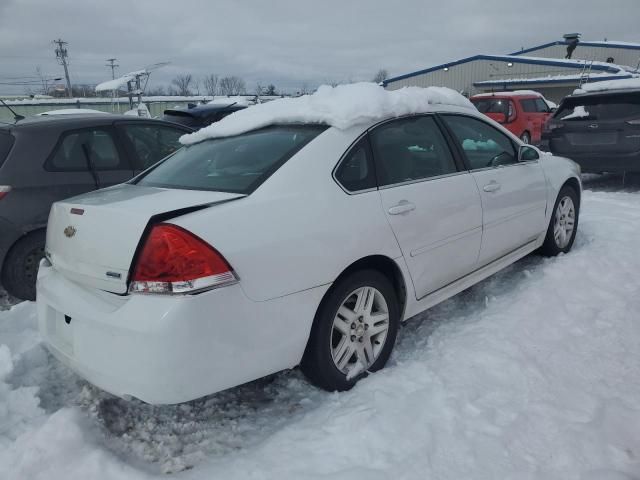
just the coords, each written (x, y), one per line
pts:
(61, 55)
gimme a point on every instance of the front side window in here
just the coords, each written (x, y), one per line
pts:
(483, 145)
(529, 105)
(356, 171)
(541, 106)
(232, 164)
(151, 143)
(410, 149)
(84, 148)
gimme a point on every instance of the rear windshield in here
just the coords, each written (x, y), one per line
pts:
(233, 164)
(601, 107)
(491, 105)
(6, 142)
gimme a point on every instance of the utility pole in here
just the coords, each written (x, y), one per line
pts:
(112, 63)
(61, 56)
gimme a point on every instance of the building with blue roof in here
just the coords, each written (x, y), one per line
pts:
(543, 68)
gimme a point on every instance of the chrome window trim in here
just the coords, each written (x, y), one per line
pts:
(425, 179)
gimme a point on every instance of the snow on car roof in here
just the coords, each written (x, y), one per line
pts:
(511, 93)
(626, 83)
(341, 107)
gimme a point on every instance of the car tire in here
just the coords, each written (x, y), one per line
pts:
(21, 264)
(349, 337)
(563, 224)
(526, 138)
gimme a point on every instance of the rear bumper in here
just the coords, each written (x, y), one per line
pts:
(165, 350)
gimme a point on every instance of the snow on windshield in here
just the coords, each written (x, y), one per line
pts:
(578, 112)
(340, 107)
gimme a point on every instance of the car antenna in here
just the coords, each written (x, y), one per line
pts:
(16, 117)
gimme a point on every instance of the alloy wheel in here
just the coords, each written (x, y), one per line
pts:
(564, 222)
(359, 331)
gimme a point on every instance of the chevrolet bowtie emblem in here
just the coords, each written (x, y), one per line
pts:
(70, 231)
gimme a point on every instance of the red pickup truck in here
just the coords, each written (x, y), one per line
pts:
(524, 113)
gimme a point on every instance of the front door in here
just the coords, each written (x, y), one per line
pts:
(513, 193)
(431, 204)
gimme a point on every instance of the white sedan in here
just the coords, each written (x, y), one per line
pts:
(296, 232)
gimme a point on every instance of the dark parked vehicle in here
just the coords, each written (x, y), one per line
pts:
(198, 116)
(46, 159)
(599, 130)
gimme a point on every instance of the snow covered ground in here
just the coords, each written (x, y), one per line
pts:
(532, 374)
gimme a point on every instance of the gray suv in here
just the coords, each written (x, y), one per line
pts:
(600, 131)
(46, 159)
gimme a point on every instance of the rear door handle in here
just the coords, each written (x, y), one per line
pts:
(492, 186)
(403, 206)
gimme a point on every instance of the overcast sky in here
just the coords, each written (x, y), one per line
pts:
(286, 42)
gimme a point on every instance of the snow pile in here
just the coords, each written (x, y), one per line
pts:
(340, 107)
(609, 85)
(532, 374)
(578, 112)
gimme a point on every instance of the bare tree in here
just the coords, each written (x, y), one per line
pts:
(381, 75)
(260, 89)
(232, 86)
(270, 90)
(45, 81)
(182, 83)
(210, 83)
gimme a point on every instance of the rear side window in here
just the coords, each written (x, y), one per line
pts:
(78, 148)
(356, 171)
(234, 164)
(604, 107)
(6, 142)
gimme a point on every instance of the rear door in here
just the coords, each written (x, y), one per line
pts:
(431, 203)
(513, 193)
(598, 124)
(148, 143)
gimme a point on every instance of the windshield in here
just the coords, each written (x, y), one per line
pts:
(234, 164)
(491, 105)
(602, 107)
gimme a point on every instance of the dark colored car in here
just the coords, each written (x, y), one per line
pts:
(46, 159)
(599, 130)
(198, 116)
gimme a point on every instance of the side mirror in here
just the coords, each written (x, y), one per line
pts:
(502, 118)
(527, 153)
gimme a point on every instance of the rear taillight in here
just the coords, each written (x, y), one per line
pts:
(4, 191)
(174, 260)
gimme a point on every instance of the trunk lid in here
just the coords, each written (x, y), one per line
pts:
(92, 239)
